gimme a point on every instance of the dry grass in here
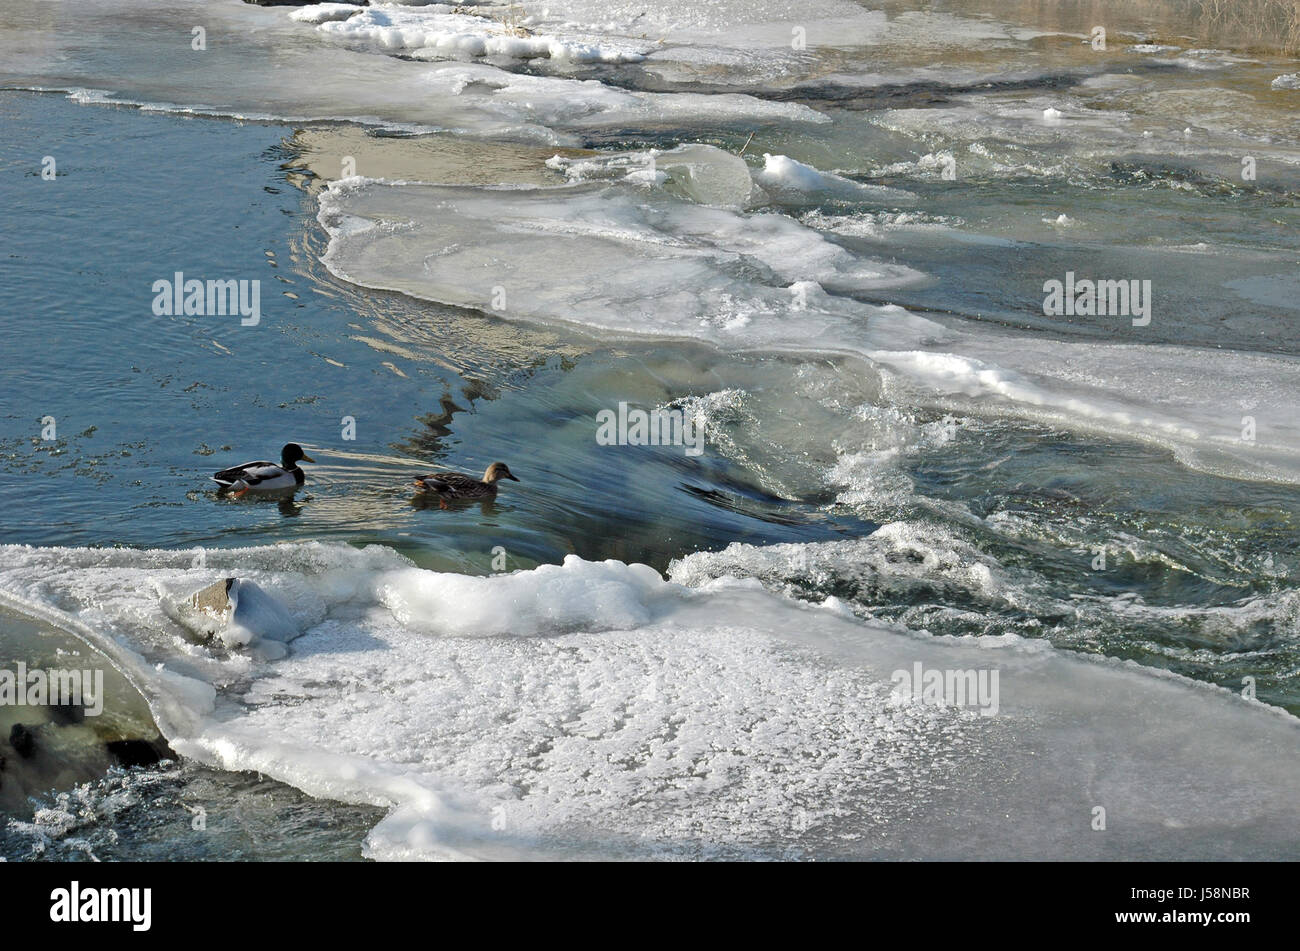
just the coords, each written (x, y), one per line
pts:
(512, 20)
(1272, 24)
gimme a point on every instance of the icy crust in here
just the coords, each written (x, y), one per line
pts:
(597, 710)
(438, 31)
(727, 41)
(585, 707)
(325, 12)
(708, 175)
(481, 100)
(630, 252)
(271, 67)
(783, 177)
(611, 258)
(703, 174)
(590, 105)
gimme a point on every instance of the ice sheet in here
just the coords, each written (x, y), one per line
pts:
(594, 709)
(616, 257)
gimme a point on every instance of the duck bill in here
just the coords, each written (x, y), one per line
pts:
(513, 478)
(307, 458)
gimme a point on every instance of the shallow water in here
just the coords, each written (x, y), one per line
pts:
(916, 440)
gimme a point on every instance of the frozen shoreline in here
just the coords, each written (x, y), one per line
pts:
(402, 727)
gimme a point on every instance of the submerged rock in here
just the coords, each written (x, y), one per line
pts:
(238, 613)
(67, 713)
(256, 616)
(23, 741)
(139, 752)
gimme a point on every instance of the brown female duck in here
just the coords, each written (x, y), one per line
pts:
(455, 487)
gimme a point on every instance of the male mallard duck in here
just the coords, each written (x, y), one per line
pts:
(455, 487)
(265, 476)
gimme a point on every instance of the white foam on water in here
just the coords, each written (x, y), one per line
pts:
(925, 571)
(878, 225)
(70, 824)
(703, 174)
(597, 710)
(895, 558)
(930, 165)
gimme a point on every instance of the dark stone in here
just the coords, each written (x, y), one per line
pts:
(22, 740)
(139, 752)
(67, 713)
